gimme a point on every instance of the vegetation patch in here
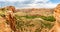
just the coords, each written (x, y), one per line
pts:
(48, 18)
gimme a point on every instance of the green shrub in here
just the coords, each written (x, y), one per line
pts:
(49, 18)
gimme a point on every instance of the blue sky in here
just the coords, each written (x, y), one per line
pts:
(30, 3)
(55, 1)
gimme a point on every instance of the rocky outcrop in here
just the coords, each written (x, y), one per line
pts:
(8, 8)
(11, 8)
(56, 27)
(4, 27)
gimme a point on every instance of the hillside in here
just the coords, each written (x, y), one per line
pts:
(30, 20)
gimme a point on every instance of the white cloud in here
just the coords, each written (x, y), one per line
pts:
(44, 4)
(41, 1)
(35, 3)
(2, 0)
(13, 0)
(41, 6)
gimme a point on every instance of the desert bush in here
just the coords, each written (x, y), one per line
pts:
(22, 22)
(48, 18)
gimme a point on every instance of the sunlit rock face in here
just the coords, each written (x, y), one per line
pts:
(56, 27)
(3, 26)
(57, 12)
(10, 8)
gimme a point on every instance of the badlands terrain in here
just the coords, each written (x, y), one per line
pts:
(27, 20)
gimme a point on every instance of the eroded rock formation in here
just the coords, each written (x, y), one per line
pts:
(56, 27)
(3, 26)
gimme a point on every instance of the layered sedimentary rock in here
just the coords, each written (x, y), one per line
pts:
(56, 27)
(4, 27)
